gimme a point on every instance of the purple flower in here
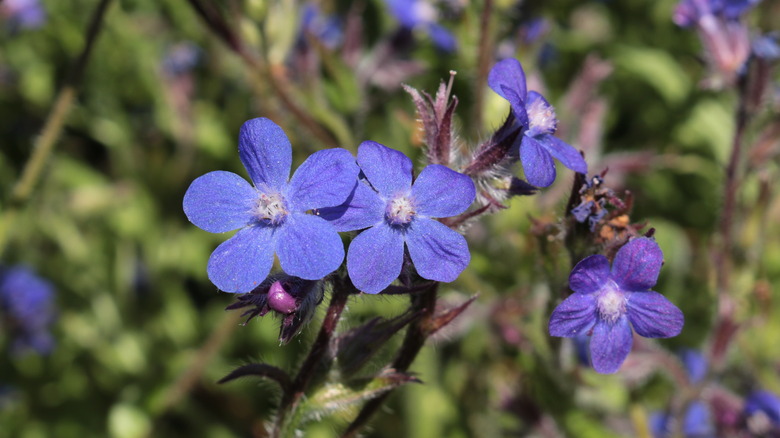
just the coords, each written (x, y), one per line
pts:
(606, 303)
(326, 28)
(24, 14)
(695, 364)
(690, 12)
(763, 403)
(271, 216)
(398, 213)
(181, 58)
(420, 14)
(537, 145)
(27, 305)
(696, 424)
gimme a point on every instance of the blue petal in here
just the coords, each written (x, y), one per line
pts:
(219, 201)
(266, 153)
(766, 402)
(375, 258)
(242, 262)
(362, 209)
(388, 170)
(309, 247)
(442, 192)
(610, 345)
(565, 153)
(637, 265)
(325, 179)
(442, 37)
(438, 253)
(695, 363)
(404, 11)
(698, 422)
(538, 165)
(517, 102)
(507, 75)
(653, 316)
(575, 316)
(590, 274)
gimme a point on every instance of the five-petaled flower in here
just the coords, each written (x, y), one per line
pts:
(397, 213)
(606, 303)
(272, 216)
(537, 145)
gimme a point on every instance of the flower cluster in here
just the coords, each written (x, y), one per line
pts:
(27, 309)
(421, 14)
(607, 302)
(273, 216)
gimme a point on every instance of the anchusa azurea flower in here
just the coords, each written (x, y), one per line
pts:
(538, 146)
(607, 302)
(27, 309)
(726, 40)
(421, 14)
(697, 423)
(271, 216)
(400, 214)
(23, 14)
(762, 412)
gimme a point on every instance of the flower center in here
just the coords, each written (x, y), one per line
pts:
(541, 117)
(270, 207)
(400, 210)
(611, 303)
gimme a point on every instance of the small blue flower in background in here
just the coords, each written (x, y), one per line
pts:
(27, 308)
(606, 303)
(398, 213)
(690, 12)
(181, 58)
(538, 145)
(697, 423)
(24, 14)
(271, 216)
(763, 403)
(695, 364)
(326, 28)
(421, 14)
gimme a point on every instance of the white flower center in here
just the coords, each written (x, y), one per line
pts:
(541, 117)
(611, 302)
(270, 207)
(400, 210)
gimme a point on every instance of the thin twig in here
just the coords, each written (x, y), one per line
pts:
(483, 60)
(52, 128)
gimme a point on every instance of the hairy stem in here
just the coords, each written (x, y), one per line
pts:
(723, 252)
(342, 289)
(44, 144)
(416, 335)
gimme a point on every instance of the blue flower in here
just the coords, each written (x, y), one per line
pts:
(27, 305)
(690, 12)
(420, 14)
(537, 145)
(695, 364)
(763, 403)
(606, 303)
(25, 14)
(271, 216)
(697, 423)
(398, 213)
(326, 28)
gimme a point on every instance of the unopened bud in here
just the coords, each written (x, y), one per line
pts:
(279, 300)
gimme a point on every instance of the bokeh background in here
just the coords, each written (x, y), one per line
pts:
(140, 334)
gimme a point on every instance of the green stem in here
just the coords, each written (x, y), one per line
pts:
(52, 129)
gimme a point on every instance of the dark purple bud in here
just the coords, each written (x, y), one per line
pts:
(279, 300)
(493, 151)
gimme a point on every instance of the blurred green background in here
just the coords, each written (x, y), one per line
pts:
(141, 334)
